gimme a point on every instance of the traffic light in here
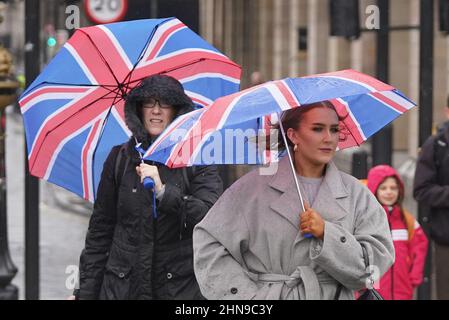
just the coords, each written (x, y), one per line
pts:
(344, 18)
(51, 41)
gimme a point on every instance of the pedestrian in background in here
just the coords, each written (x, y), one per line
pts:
(252, 244)
(410, 242)
(134, 250)
(431, 188)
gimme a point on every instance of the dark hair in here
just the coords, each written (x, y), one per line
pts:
(292, 119)
(164, 88)
(447, 102)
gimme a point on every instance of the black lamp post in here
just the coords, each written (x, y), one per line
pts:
(8, 270)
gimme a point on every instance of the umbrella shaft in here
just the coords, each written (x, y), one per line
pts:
(284, 136)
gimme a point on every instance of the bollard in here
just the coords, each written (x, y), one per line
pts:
(359, 165)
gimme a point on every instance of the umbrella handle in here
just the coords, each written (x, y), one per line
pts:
(148, 183)
(307, 235)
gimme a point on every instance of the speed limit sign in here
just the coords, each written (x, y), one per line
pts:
(105, 11)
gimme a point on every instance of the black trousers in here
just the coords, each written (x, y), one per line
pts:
(441, 259)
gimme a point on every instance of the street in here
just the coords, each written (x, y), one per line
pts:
(62, 230)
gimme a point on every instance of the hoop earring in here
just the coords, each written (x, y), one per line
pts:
(295, 148)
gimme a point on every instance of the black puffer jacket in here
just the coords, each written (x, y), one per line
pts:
(130, 255)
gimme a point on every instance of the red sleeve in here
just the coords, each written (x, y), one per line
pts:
(418, 250)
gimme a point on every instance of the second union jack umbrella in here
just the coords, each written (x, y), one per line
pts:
(221, 133)
(214, 135)
(73, 111)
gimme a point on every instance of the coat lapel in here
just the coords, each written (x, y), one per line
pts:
(332, 198)
(288, 204)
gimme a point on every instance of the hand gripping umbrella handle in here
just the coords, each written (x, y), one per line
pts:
(148, 183)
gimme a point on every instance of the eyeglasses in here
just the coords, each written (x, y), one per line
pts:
(151, 103)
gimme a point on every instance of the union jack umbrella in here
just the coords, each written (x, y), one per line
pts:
(210, 136)
(74, 111)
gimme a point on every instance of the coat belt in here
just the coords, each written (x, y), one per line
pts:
(302, 275)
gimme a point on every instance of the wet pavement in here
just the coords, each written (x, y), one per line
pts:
(63, 222)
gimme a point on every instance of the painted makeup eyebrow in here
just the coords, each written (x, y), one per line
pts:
(323, 125)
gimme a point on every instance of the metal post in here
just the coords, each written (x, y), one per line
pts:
(141, 9)
(360, 164)
(425, 118)
(382, 141)
(7, 268)
(153, 4)
(32, 68)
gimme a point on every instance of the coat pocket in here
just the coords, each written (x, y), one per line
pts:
(175, 271)
(182, 283)
(118, 271)
(116, 282)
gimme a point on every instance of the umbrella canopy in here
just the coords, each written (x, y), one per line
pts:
(74, 110)
(221, 133)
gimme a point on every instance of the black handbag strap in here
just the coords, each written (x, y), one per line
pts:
(365, 255)
(338, 292)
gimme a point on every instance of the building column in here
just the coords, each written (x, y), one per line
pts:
(317, 37)
(207, 20)
(293, 39)
(413, 129)
(219, 25)
(277, 39)
(339, 53)
(265, 38)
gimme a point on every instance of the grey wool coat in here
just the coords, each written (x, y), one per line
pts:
(249, 246)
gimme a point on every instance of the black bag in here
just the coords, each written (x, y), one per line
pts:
(368, 294)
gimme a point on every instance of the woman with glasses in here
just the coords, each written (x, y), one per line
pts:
(139, 241)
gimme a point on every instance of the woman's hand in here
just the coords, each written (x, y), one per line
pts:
(311, 222)
(145, 170)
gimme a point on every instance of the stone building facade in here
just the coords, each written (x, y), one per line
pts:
(264, 36)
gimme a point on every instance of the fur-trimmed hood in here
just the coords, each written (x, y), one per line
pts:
(164, 88)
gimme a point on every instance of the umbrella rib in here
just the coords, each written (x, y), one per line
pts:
(78, 111)
(102, 57)
(63, 122)
(103, 125)
(106, 87)
(117, 89)
(127, 80)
